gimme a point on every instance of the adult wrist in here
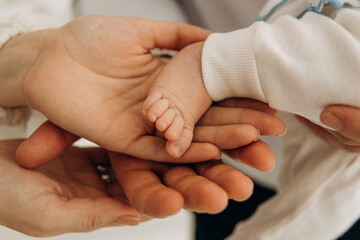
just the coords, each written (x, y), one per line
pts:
(17, 56)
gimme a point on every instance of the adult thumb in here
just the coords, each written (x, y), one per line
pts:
(345, 120)
(45, 144)
(172, 35)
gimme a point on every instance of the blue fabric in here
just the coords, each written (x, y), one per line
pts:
(311, 8)
(336, 3)
(272, 10)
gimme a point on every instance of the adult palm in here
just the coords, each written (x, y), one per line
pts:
(65, 195)
(92, 75)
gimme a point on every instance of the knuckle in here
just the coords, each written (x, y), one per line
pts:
(92, 222)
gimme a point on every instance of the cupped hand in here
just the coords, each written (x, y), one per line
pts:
(345, 122)
(234, 126)
(92, 75)
(65, 195)
(159, 189)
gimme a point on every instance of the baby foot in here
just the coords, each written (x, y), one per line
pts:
(162, 112)
(177, 99)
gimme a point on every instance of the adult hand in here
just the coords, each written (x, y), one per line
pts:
(201, 187)
(91, 76)
(233, 125)
(345, 120)
(65, 195)
(229, 126)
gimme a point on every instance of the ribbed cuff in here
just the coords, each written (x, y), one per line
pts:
(229, 66)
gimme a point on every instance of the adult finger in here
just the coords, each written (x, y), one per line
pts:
(171, 35)
(344, 119)
(200, 194)
(257, 155)
(44, 145)
(227, 136)
(148, 194)
(268, 124)
(332, 137)
(50, 141)
(143, 187)
(153, 148)
(247, 103)
(238, 186)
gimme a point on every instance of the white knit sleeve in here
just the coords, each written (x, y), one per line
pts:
(229, 65)
(298, 66)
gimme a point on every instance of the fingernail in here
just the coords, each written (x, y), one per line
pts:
(284, 132)
(144, 112)
(258, 135)
(128, 220)
(331, 121)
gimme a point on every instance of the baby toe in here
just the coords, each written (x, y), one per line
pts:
(157, 109)
(174, 130)
(150, 100)
(177, 148)
(165, 120)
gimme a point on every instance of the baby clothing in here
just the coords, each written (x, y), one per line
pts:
(301, 56)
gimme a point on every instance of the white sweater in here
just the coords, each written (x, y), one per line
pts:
(299, 66)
